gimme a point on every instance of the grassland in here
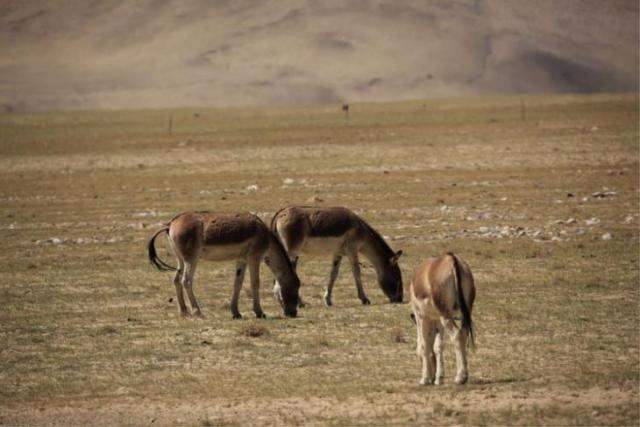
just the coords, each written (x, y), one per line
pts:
(90, 333)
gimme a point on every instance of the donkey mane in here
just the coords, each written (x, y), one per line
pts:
(273, 236)
(377, 240)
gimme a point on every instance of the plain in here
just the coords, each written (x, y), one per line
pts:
(540, 194)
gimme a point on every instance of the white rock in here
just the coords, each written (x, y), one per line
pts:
(252, 187)
(603, 194)
(628, 219)
(607, 236)
(592, 221)
(571, 221)
(56, 240)
(145, 214)
(288, 181)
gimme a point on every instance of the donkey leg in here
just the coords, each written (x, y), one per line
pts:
(237, 286)
(294, 263)
(462, 376)
(184, 311)
(428, 330)
(438, 349)
(335, 268)
(187, 282)
(418, 322)
(355, 267)
(254, 272)
(459, 339)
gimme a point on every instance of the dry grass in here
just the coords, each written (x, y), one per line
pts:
(91, 333)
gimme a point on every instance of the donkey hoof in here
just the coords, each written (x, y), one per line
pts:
(185, 314)
(328, 302)
(462, 379)
(301, 304)
(199, 314)
(424, 381)
(237, 316)
(261, 316)
(438, 381)
(365, 301)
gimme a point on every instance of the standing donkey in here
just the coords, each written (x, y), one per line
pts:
(339, 232)
(241, 237)
(441, 289)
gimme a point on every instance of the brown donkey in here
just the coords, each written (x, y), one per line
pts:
(241, 237)
(442, 288)
(338, 231)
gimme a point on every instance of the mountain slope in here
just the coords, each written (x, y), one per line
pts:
(167, 53)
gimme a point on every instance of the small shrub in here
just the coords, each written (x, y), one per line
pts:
(207, 423)
(107, 330)
(320, 341)
(397, 335)
(254, 330)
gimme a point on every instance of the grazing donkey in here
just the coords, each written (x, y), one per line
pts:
(339, 232)
(442, 288)
(241, 237)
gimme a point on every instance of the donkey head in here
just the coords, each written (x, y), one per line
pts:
(391, 279)
(288, 297)
(288, 284)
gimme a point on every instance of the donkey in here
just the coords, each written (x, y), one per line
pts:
(241, 237)
(339, 232)
(442, 288)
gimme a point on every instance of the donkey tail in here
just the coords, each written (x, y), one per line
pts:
(467, 322)
(153, 256)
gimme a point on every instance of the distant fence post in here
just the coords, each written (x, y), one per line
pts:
(345, 109)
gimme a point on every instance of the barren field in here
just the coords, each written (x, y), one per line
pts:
(539, 194)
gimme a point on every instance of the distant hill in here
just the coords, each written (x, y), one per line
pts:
(167, 53)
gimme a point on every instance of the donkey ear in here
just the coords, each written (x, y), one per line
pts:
(395, 257)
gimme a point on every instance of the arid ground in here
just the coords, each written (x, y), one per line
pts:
(540, 194)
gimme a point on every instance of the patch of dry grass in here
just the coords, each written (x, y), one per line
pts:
(91, 332)
(254, 330)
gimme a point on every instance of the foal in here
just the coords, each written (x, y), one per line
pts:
(242, 238)
(441, 289)
(338, 231)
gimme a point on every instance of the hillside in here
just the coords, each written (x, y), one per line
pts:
(169, 53)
